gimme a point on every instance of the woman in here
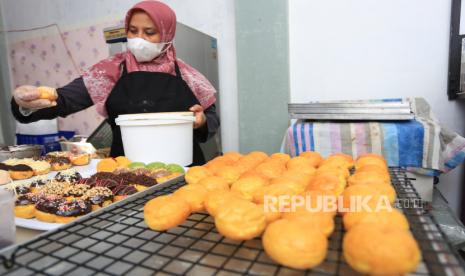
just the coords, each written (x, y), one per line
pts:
(146, 78)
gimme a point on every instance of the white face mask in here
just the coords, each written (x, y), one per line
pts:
(144, 50)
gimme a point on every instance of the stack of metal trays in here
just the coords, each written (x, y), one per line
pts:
(352, 110)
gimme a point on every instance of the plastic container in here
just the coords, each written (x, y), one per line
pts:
(49, 141)
(7, 217)
(41, 127)
(43, 132)
(164, 137)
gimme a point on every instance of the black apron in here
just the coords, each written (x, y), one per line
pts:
(147, 92)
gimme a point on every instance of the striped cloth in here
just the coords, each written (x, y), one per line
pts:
(421, 145)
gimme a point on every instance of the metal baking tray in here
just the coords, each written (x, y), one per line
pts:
(115, 241)
(355, 110)
(353, 117)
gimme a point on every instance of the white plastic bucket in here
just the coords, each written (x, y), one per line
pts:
(163, 137)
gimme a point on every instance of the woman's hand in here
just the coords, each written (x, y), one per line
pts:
(28, 96)
(200, 118)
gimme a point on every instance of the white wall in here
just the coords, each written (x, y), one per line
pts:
(213, 17)
(358, 49)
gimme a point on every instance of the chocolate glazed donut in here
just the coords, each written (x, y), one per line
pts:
(68, 211)
(47, 207)
(21, 171)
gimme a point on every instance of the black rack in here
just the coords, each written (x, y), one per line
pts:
(115, 241)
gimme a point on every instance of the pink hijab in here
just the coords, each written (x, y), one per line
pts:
(100, 78)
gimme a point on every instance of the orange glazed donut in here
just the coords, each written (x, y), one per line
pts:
(292, 243)
(383, 249)
(241, 220)
(165, 212)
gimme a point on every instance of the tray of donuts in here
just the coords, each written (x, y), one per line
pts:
(297, 205)
(25, 168)
(45, 203)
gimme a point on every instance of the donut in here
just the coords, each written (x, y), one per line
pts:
(217, 198)
(165, 212)
(270, 169)
(321, 221)
(369, 176)
(4, 167)
(59, 163)
(21, 171)
(240, 220)
(228, 173)
(194, 195)
(246, 163)
(328, 182)
(333, 169)
(300, 163)
(391, 217)
(247, 187)
(25, 205)
(339, 160)
(292, 243)
(45, 208)
(168, 177)
(212, 183)
(313, 156)
(122, 161)
(98, 197)
(259, 156)
(321, 201)
(107, 165)
(122, 191)
(70, 176)
(59, 154)
(375, 249)
(75, 191)
(140, 181)
(272, 193)
(216, 164)
(297, 175)
(22, 189)
(370, 159)
(283, 157)
(37, 183)
(68, 211)
(385, 190)
(112, 181)
(272, 213)
(232, 155)
(196, 173)
(298, 186)
(47, 93)
(40, 167)
(352, 194)
(53, 188)
(81, 159)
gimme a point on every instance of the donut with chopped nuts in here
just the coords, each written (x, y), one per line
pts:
(70, 176)
(53, 188)
(75, 191)
(37, 183)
